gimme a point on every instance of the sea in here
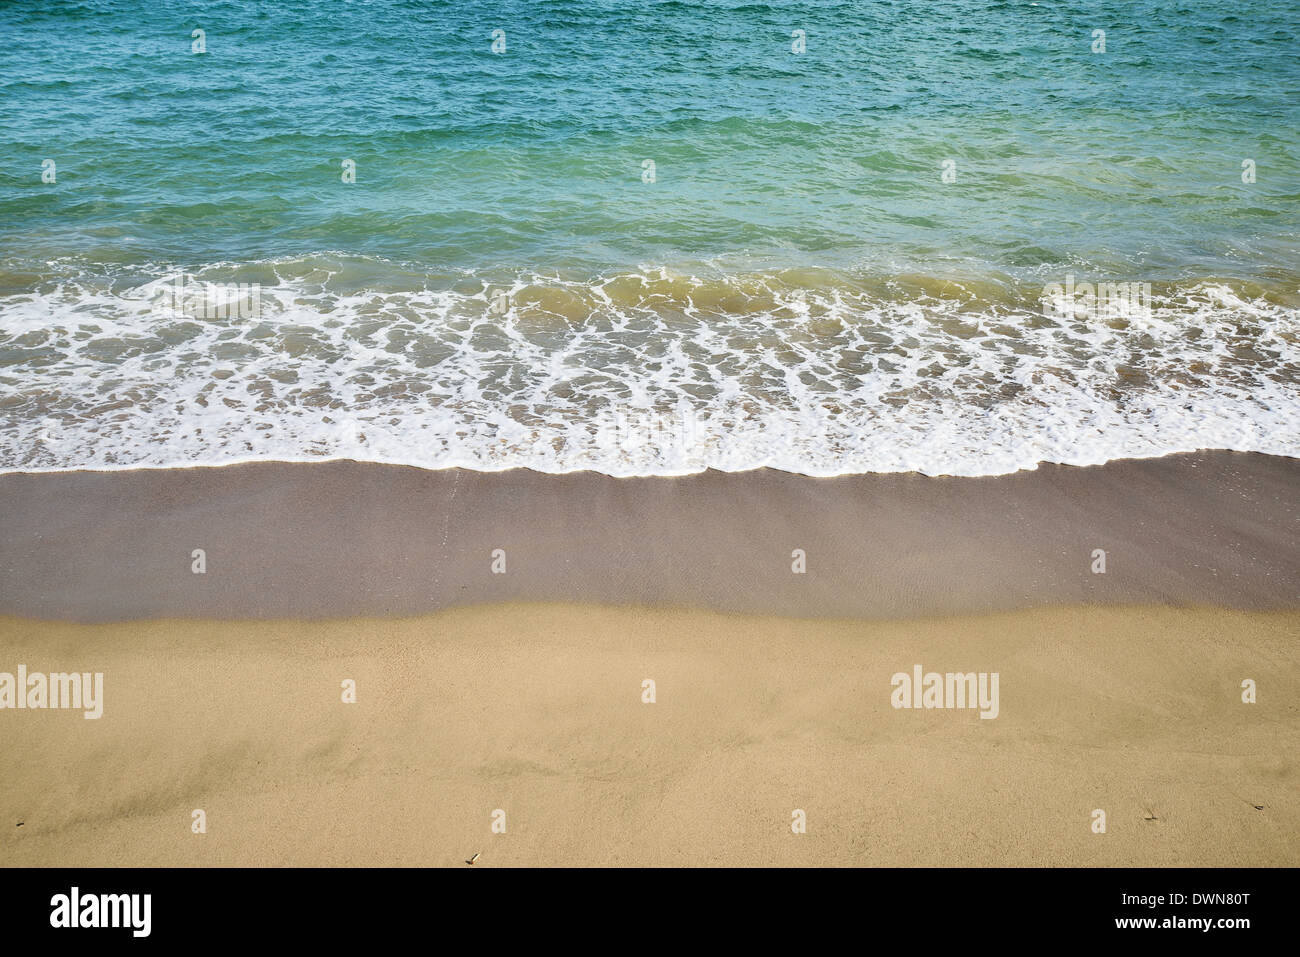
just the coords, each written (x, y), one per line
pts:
(650, 238)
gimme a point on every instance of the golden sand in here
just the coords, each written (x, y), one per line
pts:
(537, 710)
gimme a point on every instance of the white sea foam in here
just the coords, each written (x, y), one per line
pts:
(637, 374)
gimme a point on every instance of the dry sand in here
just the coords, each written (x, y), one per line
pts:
(537, 710)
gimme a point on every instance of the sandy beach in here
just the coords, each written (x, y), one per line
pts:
(341, 539)
(537, 710)
(522, 691)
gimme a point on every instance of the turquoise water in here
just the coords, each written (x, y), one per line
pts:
(1129, 159)
(797, 282)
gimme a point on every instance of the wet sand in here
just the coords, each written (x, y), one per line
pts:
(344, 539)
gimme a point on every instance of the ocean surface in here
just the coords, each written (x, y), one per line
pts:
(648, 238)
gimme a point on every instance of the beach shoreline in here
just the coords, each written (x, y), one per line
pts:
(342, 539)
(498, 630)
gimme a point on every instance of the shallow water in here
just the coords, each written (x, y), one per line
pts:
(504, 286)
